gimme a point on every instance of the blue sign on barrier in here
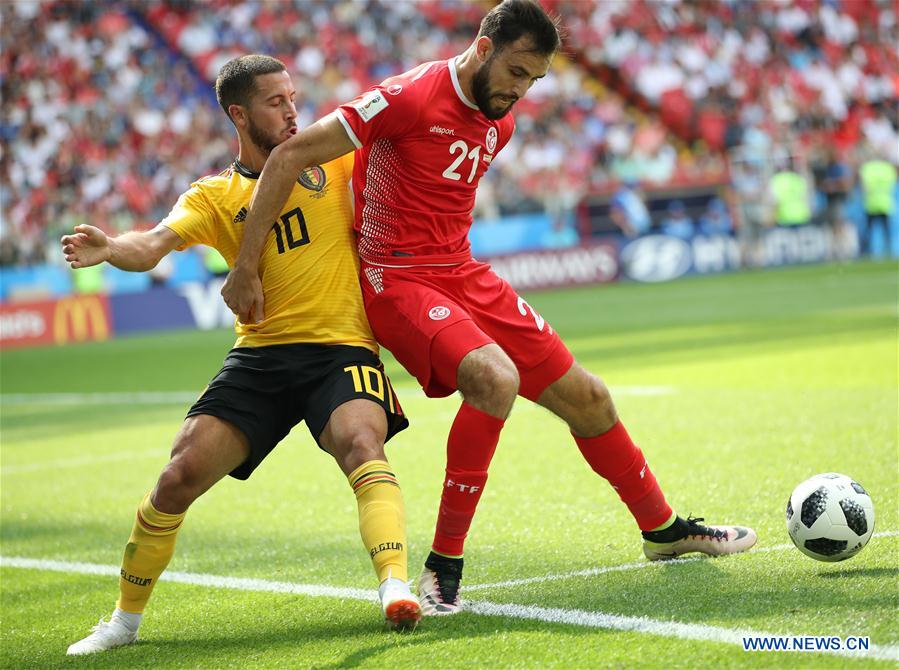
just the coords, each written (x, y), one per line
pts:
(519, 233)
(191, 305)
(160, 308)
(656, 258)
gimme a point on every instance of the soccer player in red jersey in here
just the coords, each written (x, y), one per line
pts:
(424, 139)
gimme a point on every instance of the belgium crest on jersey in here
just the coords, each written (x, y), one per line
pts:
(312, 178)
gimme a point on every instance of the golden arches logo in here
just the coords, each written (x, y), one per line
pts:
(80, 318)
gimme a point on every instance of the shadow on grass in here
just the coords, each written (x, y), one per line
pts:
(364, 651)
(212, 628)
(702, 590)
(36, 422)
(709, 590)
(773, 334)
(701, 301)
(221, 629)
(852, 573)
(295, 556)
(162, 361)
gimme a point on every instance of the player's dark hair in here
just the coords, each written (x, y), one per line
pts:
(236, 82)
(513, 19)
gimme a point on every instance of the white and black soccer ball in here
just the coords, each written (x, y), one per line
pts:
(830, 517)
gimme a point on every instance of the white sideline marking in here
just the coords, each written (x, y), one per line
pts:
(675, 629)
(634, 624)
(196, 579)
(84, 460)
(123, 398)
(179, 397)
(188, 398)
(592, 572)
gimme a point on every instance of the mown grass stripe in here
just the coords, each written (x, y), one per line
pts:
(179, 397)
(592, 572)
(573, 617)
(684, 631)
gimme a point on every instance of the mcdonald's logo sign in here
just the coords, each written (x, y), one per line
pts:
(81, 318)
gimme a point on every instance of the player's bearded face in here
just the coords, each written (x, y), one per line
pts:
(506, 76)
(492, 103)
(263, 138)
(271, 115)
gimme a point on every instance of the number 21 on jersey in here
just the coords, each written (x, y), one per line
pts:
(460, 147)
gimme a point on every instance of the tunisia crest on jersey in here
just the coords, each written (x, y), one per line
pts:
(491, 139)
(439, 313)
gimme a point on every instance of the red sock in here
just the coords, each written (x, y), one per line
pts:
(614, 456)
(469, 449)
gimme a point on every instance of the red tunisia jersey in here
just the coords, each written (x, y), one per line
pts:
(423, 147)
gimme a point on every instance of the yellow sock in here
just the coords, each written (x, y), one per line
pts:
(382, 518)
(147, 553)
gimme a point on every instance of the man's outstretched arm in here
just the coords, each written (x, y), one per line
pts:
(134, 251)
(321, 142)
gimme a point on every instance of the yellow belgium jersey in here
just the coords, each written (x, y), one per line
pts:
(309, 267)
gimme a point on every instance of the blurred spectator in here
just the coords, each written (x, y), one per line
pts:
(100, 125)
(105, 114)
(561, 234)
(677, 222)
(9, 252)
(160, 273)
(878, 180)
(716, 220)
(749, 179)
(629, 212)
(88, 281)
(791, 196)
(835, 181)
(215, 263)
(824, 69)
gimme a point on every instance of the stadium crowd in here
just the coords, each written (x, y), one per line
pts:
(107, 110)
(813, 71)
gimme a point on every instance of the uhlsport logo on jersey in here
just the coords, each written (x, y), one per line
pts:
(491, 139)
(312, 178)
(394, 89)
(371, 104)
(439, 313)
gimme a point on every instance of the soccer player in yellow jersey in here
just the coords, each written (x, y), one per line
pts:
(312, 358)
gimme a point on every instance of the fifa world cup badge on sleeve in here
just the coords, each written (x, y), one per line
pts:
(371, 104)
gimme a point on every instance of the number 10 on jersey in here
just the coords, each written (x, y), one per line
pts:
(374, 382)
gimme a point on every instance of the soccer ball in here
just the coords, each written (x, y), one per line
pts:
(830, 517)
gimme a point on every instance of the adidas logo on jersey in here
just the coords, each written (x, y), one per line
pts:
(241, 215)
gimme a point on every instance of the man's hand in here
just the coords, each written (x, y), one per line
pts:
(88, 246)
(321, 142)
(242, 292)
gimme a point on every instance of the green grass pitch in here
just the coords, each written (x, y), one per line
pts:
(736, 387)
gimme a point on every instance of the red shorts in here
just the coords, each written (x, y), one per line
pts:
(430, 318)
